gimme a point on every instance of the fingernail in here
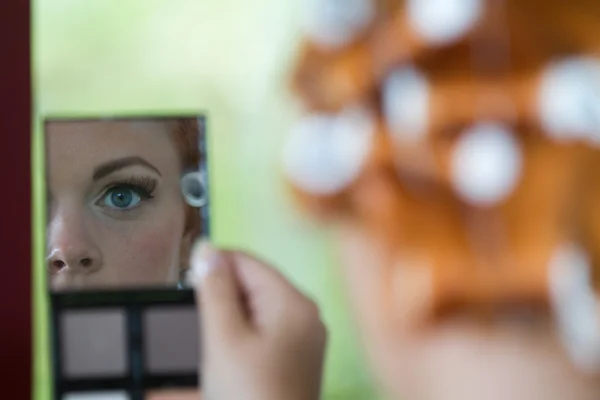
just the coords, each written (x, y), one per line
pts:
(205, 258)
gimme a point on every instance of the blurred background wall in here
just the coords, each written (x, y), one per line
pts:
(230, 60)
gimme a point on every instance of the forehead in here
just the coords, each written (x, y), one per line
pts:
(87, 144)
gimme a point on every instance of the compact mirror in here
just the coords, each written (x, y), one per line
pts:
(126, 199)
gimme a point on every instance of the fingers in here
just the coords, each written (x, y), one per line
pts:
(239, 292)
(256, 276)
(257, 329)
(270, 297)
(218, 293)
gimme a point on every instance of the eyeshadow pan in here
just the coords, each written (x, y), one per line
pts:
(94, 343)
(171, 340)
(97, 396)
(174, 395)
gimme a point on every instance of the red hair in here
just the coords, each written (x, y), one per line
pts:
(186, 136)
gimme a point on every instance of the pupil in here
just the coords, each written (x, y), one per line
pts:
(121, 199)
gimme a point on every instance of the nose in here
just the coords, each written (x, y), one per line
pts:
(73, 260)
(71, 247)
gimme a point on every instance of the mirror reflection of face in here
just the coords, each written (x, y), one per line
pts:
(116, 215)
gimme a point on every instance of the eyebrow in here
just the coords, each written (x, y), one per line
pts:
(108, 168)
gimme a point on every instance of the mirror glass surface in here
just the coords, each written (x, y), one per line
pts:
(126, 199)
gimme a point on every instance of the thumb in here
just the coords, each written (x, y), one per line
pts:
(218, 295)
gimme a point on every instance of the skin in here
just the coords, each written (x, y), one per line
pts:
(243, 303)
(458, 358)
(103, 235)
(244, 308)
(248, 336)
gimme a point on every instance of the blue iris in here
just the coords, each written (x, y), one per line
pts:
(122, 198)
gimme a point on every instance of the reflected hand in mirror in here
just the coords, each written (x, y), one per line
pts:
(116, 213)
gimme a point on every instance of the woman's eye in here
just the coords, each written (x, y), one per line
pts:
(121, 198)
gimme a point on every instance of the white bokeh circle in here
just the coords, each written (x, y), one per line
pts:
(324, 153)
(575, 304)
(569, 100)
(486, 164)
(406, 104)
(335, 23)
(442, 22)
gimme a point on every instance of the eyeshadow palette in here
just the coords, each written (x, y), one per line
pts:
(124, 344)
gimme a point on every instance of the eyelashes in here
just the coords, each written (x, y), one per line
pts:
(142, 184)
(128, 193)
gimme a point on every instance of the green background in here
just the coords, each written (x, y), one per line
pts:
(230, 60)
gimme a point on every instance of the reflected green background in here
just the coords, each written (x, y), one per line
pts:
(231, 60)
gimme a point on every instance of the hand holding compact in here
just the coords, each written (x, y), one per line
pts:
(262, 338)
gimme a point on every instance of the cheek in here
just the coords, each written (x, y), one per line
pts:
(151, 246)
(143, 250)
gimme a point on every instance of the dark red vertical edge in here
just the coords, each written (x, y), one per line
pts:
(15, 200)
